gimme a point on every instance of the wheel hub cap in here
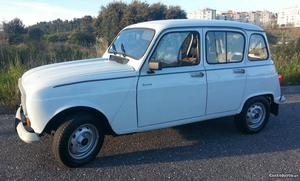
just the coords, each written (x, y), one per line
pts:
(82, 141)
(256, 115)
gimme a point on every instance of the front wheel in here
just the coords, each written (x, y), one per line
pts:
(78, 140)
(254, 116)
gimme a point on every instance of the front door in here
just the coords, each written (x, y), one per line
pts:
(177, 91)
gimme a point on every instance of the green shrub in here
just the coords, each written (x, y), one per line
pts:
(57, 37)
(83, 38)
(9, 92)
(287, 61)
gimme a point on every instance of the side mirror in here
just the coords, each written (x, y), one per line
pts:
(154, 65)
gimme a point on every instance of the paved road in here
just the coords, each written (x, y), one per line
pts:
(212, 150)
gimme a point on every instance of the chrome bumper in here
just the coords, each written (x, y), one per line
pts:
(280, 100)
(24, 135)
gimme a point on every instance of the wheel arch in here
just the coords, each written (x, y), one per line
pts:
(60, 118)
(270, 98)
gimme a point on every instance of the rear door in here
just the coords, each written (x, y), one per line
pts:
(177, 91)
(225, 66)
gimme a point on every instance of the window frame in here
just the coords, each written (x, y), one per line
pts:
(185, 31)
(267, 48)
(225, 31)
(135, 58)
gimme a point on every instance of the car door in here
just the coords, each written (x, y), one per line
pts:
(177, 91)
(225, 67)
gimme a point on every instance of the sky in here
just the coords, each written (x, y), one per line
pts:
(33, 11)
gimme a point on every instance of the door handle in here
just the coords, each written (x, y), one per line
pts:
(197, 74)
(146, 84)
(239, 71)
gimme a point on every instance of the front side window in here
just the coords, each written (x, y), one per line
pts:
(132, 42)
(257, 48)
(177, 49)
(224, 47)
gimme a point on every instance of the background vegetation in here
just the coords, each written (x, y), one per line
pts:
(22, 48)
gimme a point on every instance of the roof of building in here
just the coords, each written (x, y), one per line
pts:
(165, 24)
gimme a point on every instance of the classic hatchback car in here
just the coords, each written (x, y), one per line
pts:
(154, 75)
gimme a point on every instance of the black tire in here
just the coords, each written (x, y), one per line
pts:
(65, 134)
(250, 127)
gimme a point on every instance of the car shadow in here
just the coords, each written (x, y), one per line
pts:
(216, 138)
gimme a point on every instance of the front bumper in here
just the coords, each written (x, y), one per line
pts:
(24, 135)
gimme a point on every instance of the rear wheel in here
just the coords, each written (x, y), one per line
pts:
(254, 116)
(78, 140)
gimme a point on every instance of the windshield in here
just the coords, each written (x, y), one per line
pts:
(132, 42)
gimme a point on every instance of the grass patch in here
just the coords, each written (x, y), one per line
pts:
(9, 92)
(287, 61)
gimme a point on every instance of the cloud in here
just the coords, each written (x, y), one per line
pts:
(32, 12)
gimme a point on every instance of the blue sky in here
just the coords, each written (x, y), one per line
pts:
(32, 11)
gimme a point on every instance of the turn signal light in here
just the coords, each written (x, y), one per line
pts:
(28, 124)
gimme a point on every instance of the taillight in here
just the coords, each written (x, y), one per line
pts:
(280, 78)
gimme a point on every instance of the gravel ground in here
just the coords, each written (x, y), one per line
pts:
(212, 150)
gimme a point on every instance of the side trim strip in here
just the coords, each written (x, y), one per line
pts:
(94, 80)
(206, 70)
(249, 66)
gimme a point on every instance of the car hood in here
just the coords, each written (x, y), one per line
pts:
(75, 71)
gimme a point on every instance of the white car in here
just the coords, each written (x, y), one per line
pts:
(154, 75)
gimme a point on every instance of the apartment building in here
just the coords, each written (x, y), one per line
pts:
(268, 18)
(261, 18)
(206, 13)
(289, 17)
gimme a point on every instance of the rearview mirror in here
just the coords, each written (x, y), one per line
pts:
(154, 65)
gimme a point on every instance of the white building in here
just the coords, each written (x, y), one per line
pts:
(206, 13)
(260, 18)
(289, 17)
(268, 19)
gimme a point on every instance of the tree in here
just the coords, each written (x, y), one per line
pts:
(175, 12)
(35, 34)
(14, 26)
(14, 30)
(115, 16)
(86, 24)
(108, 22)
(136, 12)
(157, 11)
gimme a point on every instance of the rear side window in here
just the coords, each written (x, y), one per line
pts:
(224, 47)
(257, 48)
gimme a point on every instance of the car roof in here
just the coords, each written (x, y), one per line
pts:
(160, 25)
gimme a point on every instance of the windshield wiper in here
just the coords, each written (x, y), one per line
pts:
(113, 46)
(115, 51)
(123, 50)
